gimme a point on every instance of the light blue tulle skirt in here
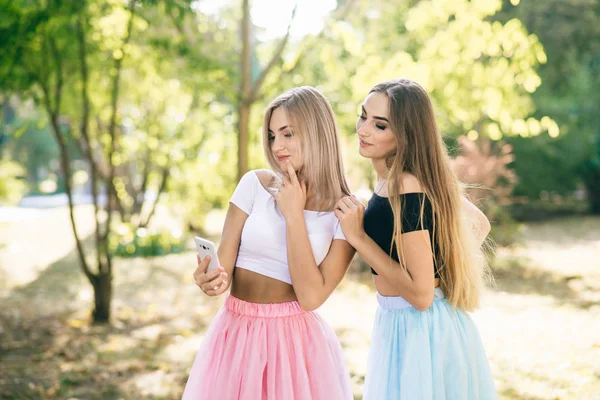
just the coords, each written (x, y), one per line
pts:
(435, 354)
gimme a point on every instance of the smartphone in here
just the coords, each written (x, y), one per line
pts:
(207, 248)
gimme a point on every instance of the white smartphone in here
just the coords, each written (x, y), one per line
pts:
(207, 248)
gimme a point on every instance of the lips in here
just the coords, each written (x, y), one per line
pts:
(364, 144)
(282, 158)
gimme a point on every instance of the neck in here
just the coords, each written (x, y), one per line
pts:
(380, 168)
(310, 199)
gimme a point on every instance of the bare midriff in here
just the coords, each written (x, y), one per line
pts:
(256, 288)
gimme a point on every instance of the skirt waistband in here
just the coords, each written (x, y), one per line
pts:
(398, 302)
(269, 310)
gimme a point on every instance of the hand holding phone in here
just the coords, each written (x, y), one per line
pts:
(209, 275)
(207, 248)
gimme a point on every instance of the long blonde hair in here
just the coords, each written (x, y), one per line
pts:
(422, 153)
(313, 123)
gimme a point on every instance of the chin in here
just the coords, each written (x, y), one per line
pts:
(364, 152)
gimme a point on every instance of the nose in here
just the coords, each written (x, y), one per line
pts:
(361, 128)
(276, 144)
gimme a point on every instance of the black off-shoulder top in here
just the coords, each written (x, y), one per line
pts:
(379, 222)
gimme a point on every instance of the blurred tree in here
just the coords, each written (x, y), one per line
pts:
(106, 88)
(479, 73)
(250, 89)
(570, 94)
(201, 57)
(43, 64)
(12, 185)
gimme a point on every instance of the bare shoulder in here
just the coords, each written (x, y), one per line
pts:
(265, 177)
(410, 184)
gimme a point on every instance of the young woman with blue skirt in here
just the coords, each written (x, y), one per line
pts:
(423, 241)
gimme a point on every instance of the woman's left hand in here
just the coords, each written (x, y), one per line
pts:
(351, 213)
(291, 197)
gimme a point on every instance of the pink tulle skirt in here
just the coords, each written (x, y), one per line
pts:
(268, 352)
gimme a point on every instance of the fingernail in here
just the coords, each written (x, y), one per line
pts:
(216, 287)
(223, 274)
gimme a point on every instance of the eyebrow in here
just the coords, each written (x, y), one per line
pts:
(374, 116)
(281, 129)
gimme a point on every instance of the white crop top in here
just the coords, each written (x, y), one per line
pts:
(263, 247)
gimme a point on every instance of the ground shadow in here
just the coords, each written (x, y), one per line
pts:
(566, 231)
(48, 349)
(58, 283)
(519, 275)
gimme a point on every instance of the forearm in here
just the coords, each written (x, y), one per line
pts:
(227, 258)
(307, 278)
(230, 240)
(387, 268)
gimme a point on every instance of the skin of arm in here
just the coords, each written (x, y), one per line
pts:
(417, 287)
(481, 225)
(313, 283)
(216, 282)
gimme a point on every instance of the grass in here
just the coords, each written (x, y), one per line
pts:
(539, 323)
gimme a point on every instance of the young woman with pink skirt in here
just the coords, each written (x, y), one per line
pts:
(283, 253)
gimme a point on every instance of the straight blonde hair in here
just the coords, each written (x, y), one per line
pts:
(313, 122)
(421, 151)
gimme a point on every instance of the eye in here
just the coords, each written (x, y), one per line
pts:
(288, 135)
(271, 138)
(380, 127)
(360, 116)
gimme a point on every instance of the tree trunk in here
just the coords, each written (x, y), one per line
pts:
(250, 89)
(244, 101)
(102, 298)
(243, 122)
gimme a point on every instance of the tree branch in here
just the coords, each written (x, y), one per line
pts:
(113, 123)
(163, 184)
(59, 76)
(101, 245)
(342, 14)
(64, 150)
(274, 59)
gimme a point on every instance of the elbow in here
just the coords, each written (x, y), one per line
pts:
(423, 301)
(310, 304)
(487, 227)
(484, 224)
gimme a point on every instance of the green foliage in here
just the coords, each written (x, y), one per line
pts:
(543, 165)
(506, 230)
(31, 143)
(570, 94)
(480, 74)
(143, 242)
(12, 185)
(482, 62)
(206, 182)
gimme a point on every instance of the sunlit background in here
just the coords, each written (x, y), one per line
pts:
(129, 122)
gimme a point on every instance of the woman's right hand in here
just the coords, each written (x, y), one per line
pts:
(351, 214)
(212, 283)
